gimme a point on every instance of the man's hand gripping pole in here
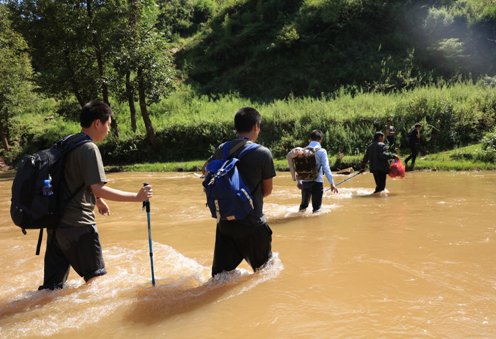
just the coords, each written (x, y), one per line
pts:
(146, 206)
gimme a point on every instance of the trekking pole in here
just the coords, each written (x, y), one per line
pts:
(146, 205)
(345, 180)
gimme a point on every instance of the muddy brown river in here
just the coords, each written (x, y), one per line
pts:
(415, 262)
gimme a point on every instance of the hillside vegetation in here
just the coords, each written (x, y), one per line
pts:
(342, 66)
(275, 48)
(190, 126)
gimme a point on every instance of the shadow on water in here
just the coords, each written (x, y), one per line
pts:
(167, 299)
(30, 301)
(374, 195)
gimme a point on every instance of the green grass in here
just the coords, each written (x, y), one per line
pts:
(189, 127)
(443, 161)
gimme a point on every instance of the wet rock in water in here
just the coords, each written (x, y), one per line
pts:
(346, 171)
(115, 169)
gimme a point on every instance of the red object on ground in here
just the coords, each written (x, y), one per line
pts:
(397, 170)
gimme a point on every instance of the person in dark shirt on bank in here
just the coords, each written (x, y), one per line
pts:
(390, 133)
(413, 141)
(379, 161)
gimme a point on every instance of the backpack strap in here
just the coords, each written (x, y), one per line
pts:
(40, 238)
(72, 141)
(66, 145)
(249, 148)
(238, 146)
(225, 152)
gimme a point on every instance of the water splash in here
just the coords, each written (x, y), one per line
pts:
(182, 284)
(275, 212)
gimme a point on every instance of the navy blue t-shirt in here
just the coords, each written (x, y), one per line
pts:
(413, 137)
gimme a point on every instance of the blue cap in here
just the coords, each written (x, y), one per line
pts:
(47, 181)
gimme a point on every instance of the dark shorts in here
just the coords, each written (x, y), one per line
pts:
(235, 241)
(314, 190)
(76, 246)
(380, 181)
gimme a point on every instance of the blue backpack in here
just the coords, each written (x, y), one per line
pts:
(227, 196)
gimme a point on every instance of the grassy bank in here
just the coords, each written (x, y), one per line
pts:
(189, 127)
(462, 159)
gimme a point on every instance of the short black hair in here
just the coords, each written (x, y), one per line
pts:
(246, 118)
(95, 110)
(377, 135)
(418, 125)
(316, 135)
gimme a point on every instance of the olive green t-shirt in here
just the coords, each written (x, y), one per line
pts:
(83, 166)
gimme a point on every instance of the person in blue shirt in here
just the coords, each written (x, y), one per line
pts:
(315, 189)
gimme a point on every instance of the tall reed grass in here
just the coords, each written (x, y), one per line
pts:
(189, 127)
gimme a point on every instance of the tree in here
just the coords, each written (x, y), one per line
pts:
(72, 45)
(15, 73)
(144, 61)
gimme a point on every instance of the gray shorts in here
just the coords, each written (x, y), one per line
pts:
(76, 246)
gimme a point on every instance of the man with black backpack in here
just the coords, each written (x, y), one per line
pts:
(75, 241)
(241, 235)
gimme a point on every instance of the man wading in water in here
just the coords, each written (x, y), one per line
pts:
(75, 241)
(314, 189)
(249, 238)
(379, 165)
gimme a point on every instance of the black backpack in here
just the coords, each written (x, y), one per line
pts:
(31, 209)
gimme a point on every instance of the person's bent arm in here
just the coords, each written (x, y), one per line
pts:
(267, 187)
(102, 191)
(203, 170)
(383, 154)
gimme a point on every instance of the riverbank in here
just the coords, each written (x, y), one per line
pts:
(461, 159)
(189, 127)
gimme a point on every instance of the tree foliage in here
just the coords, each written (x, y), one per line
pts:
(143, 60)
(94, 49)
(15, 74)
(278, 48)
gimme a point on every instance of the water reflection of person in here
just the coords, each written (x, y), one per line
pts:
(75, 242)
(413, 141)
(249, 238)
(378, 156)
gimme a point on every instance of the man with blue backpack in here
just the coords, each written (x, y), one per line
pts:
(238, 176)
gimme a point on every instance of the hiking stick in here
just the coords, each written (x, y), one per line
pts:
(146, 205)
(345, 180)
